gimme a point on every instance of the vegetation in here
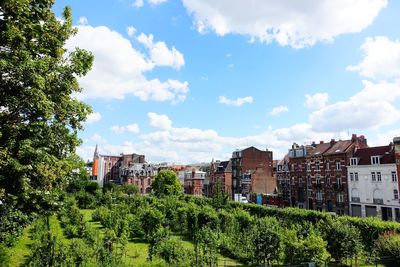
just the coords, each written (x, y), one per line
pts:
(166, 183)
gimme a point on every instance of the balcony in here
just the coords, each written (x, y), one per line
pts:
(378, 201)
(355, 199)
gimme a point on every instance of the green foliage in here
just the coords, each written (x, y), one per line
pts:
(299, 250)
(130, 189)
(387, 247)
(4, 256)
(166, 183)
(344, 241)
(267, 240)
(12, 222)
(40, 118)
(152, 219)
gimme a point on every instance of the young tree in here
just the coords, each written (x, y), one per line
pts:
(39, 118)
(166, 183)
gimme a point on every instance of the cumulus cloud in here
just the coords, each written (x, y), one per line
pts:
(160, 54)
(235, 102)
(119, 69)
(381, 59)
(130, 30)
(316, 101)
(93, 117)
(98, 139)
(278, 110)
(131, 128)
(83, 21)
(159, 121)
(137, 3)
(369, 108)
(295, 23)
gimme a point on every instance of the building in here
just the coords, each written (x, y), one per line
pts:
(105, 168)
(139, 174)
(252, 172)
(283, 180)
(373, 183)
(221, 176)
(194, 182)
(120, 169)
(319, 174)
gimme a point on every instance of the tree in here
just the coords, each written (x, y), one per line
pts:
(39, 117)
(130, 189)
(166, 183)
(267, 240)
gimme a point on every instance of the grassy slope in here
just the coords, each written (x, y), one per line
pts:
(20, 253)
(137, 250)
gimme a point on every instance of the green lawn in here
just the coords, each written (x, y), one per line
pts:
(21, 251)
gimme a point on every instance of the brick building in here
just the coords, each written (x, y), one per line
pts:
(221, 176)
(194, 181)
(105, 168)
(283, 180)
(319, 174)
(252, 172)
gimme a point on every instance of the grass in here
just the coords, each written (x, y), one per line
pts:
(22, 250)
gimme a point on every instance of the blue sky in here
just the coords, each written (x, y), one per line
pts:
(187, 81)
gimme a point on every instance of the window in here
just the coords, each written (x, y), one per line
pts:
(300, 180)
(379, 176)
(375, 160)
(317, 165)
(327, 165)
(396, 194)
(318, 179)
(328, 180)
(351, 176)
(353, 161)
(394, 177)
(373, 176)
(338, 181)
(340, 198)
(356, 176)
(319, 195)
(338, 165)
(308, 165)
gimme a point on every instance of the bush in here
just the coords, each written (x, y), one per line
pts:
(387, 247)
(4, 256)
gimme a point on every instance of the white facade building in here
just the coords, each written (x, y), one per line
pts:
(373, 183)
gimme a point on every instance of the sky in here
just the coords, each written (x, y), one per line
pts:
(193, 80)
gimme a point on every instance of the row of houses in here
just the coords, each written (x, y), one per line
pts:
(342, 176)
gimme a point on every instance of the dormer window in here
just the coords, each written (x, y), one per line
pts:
(353, 161)
(375, 160)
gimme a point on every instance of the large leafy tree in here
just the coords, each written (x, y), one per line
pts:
(166, 183)
(39, 118)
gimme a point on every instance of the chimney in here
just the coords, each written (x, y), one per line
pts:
(332, 142)
(353, 137)
(313, 144)
(321, 142)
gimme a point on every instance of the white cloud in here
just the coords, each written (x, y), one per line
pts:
(131, 128)
(137, 3)
(83, 21)
(93, 117)
(159, 121)
(119, 70)
(381, 59)
(156, 2)
(235, 102)
(130, 30)
(160, 54)
(316, 101)
(278, 110)
(294, 23)
(369, 108)
(98, 139)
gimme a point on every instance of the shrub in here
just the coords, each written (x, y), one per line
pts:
(4, 256)
(387, 247)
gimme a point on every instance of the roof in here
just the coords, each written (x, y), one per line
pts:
(319, 149)
(285, 159)
(225, 165)
(339, 147)
(365, 154)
